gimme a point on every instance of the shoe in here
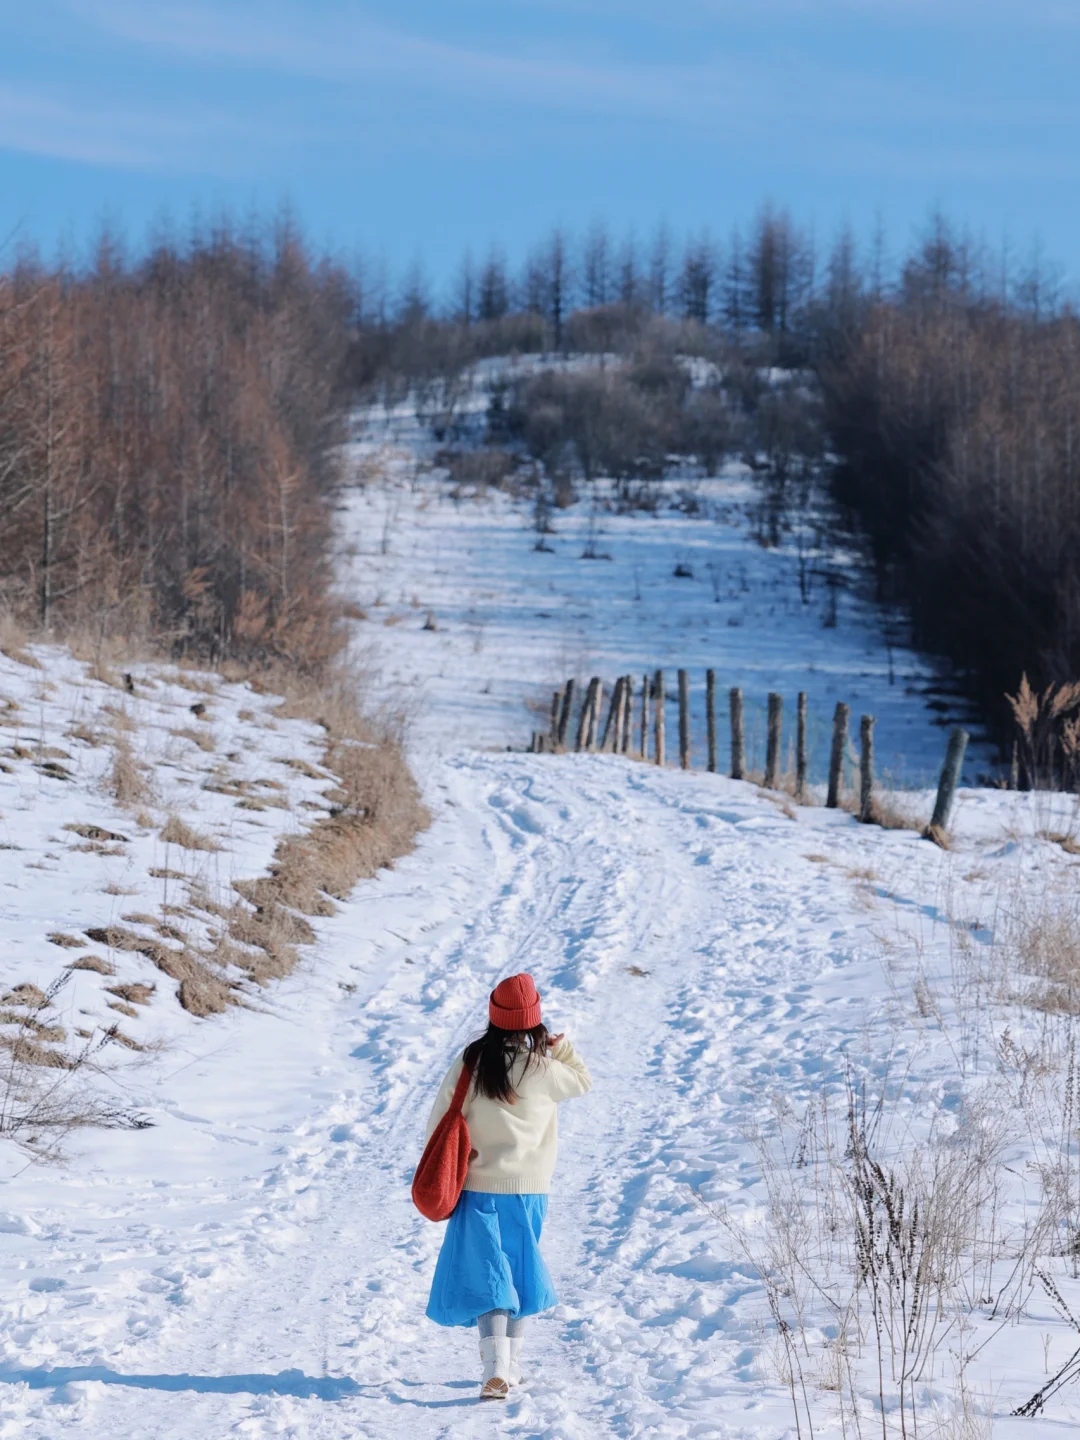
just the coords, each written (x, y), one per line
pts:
(495, 1355)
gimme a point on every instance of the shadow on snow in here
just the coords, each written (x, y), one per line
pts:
(287, 1382)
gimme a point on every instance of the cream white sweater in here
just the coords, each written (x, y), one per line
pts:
(516, 1144)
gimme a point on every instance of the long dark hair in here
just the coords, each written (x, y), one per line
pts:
(492, 1057)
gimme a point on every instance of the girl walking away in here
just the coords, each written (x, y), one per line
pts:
(490, 1271)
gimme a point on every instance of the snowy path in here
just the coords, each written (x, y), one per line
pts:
(302, 1253)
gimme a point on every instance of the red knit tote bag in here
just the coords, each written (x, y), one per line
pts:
(440, 1176)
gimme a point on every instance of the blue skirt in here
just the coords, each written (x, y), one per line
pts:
(490, 1260)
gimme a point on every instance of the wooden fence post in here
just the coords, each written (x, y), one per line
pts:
(594, 713)
(556, 710)
(567, 710)
(620, 714)
(836, 757)
(658, 699)
(866, 769)
(772, 752)
(738, 736)
(950, 778)
(626, 738)
(611, 726)
(710, 717)
(645, 717)
(586, 711)
(800, 747)
(684, 719)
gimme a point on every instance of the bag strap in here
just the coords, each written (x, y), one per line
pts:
(460, 1090)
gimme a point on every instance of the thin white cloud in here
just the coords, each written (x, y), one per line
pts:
(42, 121)
(1022, 14)
(354, 49)
(718, 92)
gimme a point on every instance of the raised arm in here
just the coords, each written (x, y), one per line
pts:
(567, 1074)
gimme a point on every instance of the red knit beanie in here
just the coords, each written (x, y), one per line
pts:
(514, 1004)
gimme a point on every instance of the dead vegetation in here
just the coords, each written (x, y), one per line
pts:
(201, 991)
(40, 1103)
(1043, 934)
(71, 942)
(177, 832)
(204, 739)
(93, 962)
(127, 781)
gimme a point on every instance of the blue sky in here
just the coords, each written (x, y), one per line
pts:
(415, 129)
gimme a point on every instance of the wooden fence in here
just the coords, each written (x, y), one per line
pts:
(636, 723)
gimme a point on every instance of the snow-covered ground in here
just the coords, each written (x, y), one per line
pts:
(252, 1266)
(514, 621)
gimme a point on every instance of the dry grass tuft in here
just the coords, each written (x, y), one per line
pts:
(116, 1034)
(93, 962)
(25, 1051)
(204, 739)
(134, 994)
(303, 767)
(94, 832)
(86, 734)
(39, 1029)
(127, 782)
(120, 717)
(896, 812)
(201, 991)
(14, 640)
(1068, 843)
(863, 872)
(25, 994)
(177, 832)
(1045, 938)
(70, 942)
(99, 670)
(162, 872)
(197, 681)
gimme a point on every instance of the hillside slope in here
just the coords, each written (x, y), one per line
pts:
(714, 958)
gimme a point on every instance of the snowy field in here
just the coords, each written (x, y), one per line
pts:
(728, 965)
(514, 621)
